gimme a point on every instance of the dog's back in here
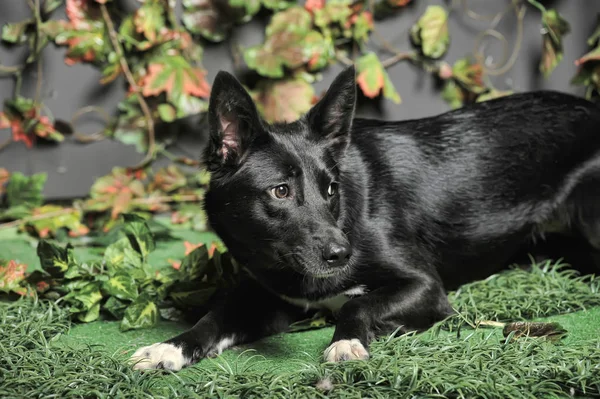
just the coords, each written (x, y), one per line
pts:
(474, 183)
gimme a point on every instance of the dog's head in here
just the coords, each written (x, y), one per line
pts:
(275, 195)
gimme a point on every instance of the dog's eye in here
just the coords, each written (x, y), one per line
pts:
(332, 190)
(280, 192)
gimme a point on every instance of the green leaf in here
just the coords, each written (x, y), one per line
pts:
(431, 32)
(115, 307)
(121, 257)
(453, 94)
(27, 191)
(470, 75)
(122, 286)
(142, 313)
(192, 295)
(167, 112)
(149, 19)
(283, 100)
(175, 76)
(54, 259)
(15, 33)
(194, 265)
(91, 314)
(493, 94)
(555, 27)
(373, 79)
(138, 233)
(290, 43)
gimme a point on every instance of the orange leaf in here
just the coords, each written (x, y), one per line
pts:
(189, 247)
(370, 89)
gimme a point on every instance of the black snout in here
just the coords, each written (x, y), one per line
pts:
(336, 254)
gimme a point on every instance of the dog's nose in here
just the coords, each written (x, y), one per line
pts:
(336, 254)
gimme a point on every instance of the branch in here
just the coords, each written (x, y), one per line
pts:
(131, 80)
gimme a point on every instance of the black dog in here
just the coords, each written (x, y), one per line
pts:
(376, 220)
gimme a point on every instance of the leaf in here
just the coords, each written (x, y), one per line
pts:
(12, 276)
(149, 19)
(115, 191)
(312, 5)
(68, 218)
(213, 19)
(142, 313)
(168, 179)
(174, 76)
(85, 301)
(55, 260)
(453, 94)
(290, 43)
(469, 74)
(431, 32)
(115, 307)
(194, 266)
(15, 33)
(555, 27)
(4, 178)
(493, 94)
(318, 320)
(551, 331)
(593, 55)
(373, 79)
(362, 25)
(283, 100)
(25, 191)
(122, 286)
(120, 257)
(192, 295)
(23, 115)
(398, 3)
(138, 233)
(167, 112)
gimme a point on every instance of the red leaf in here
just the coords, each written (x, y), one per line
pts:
(175, 76)
(11, 277)
(19, 134)
(80, 12)
(4, 121)
(398, 3)
(312, 5)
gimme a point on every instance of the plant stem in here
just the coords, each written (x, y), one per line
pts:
(131, 80)
(537, 5)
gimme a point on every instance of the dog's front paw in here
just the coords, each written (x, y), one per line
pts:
(159, 356)
(345, 349)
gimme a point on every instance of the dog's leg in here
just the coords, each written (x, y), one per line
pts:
(246, 314)
(411, 305)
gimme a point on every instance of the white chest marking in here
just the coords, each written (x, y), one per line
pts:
(333, 304)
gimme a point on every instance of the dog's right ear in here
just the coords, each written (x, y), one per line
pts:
(233, 122)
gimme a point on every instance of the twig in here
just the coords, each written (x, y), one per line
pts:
(38, 21)
(400, 56)
(130, 79)
(343, 58)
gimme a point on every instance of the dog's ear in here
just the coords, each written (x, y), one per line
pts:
(233, 122)
(331, 118)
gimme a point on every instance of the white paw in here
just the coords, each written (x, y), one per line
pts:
(159, 356)
(345, 349)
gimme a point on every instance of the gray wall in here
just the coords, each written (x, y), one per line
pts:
(73, 167)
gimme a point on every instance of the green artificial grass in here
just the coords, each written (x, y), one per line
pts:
(43, 355)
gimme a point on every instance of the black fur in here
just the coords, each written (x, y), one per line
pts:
(418, 207)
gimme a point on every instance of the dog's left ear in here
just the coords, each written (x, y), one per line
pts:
(233, 122)
(332, 116)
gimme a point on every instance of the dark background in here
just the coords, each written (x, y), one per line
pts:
(73, 167)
